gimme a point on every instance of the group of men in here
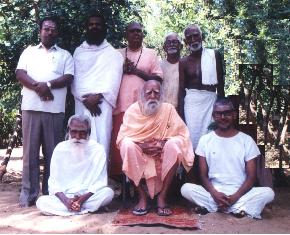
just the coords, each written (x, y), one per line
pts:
(135, 114)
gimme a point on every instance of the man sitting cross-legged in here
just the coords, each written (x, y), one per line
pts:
(78, 174)
(153, 141)
(227, 169)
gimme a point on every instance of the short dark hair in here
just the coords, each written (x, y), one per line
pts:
(97, 15)
(49, 18)
(223, 101)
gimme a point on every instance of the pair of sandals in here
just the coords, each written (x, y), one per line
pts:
(161, 211)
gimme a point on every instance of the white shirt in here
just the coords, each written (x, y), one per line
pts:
(226, 158)
(43, 66)
(170, 82)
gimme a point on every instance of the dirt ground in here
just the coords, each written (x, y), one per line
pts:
(29, 220)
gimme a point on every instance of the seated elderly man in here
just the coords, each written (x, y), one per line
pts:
(78, 174)
(153, 141)
(227, 169)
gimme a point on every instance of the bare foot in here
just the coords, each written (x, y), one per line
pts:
(142, 203)
(161, 202)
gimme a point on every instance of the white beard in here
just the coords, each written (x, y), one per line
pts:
(151, 107)
(172, 51)
(195, 46)
(78, 148)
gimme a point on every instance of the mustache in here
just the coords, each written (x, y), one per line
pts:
(152, 101)
(172, 50)
(151, 106)
(95, 36)
(80, 141)
(195, 46)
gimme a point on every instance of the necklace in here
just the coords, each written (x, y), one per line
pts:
(138, 57)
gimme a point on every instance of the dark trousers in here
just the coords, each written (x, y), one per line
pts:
(39, 129)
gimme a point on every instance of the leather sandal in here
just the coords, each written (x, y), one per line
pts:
(164, 211)
(140, 211)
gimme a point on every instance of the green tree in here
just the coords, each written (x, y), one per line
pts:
(249, 34)
(19, 28)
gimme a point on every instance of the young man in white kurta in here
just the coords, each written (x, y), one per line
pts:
(226, 159)
(98, 73)
(74, 174)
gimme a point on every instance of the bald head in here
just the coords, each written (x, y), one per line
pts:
(151, 83)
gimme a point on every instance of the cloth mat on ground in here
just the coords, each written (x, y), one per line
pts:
(180, 218)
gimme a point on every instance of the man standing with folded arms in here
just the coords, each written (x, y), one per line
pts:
(45, 71)
(98, 73)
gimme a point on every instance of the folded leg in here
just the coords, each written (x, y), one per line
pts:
(253, 202)
(198, 195)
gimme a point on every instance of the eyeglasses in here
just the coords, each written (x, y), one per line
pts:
(226, 113)
(173, 42)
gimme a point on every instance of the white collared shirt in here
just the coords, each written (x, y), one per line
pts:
(42, 66)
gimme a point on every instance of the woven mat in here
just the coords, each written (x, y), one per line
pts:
(181, 218)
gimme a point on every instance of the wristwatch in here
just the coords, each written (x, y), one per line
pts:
(48, 84)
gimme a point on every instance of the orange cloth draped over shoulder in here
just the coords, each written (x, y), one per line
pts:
(165, 124)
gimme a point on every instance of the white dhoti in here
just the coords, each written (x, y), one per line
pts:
(101, 126)
(51, 205)
(198, 107)
(253, 202)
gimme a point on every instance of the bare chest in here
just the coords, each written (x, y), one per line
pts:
(192, 72)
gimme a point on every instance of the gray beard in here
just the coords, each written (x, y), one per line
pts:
(172, 51)
(195, 47)
(151, 107)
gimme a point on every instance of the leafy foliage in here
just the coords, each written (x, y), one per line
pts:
(249, 34)
(19, 28)
(246, 32)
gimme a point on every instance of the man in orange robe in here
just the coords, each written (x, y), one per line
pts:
(140, 65)
(153, 141)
